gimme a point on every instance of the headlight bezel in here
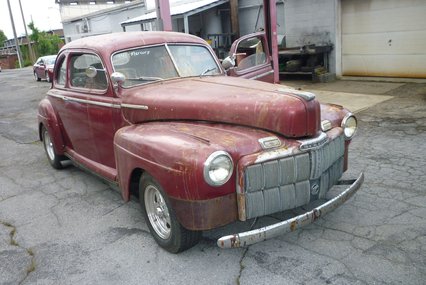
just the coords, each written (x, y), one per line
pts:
(347, 126)
(208, 167)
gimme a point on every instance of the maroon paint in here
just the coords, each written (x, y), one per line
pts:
(186, 121)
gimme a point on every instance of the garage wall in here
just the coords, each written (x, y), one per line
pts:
(312, 22)
(384, 38)
(251, 18)
(102, 23)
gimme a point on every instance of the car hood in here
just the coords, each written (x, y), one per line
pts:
(226, 100)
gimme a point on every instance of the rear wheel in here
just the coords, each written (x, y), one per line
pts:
(161, 219)
(53, 158)
(36, 77)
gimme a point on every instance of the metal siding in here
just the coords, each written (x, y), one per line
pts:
(384, 38)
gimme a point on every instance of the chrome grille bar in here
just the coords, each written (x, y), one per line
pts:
(293, 181)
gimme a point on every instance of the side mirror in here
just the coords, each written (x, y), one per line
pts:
(91, 72)
(228, 62)
(118, 78)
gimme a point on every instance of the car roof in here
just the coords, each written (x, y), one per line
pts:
(110, 43)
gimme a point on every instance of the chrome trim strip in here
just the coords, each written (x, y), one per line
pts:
(308, 96)
(313, 143)
(173, 59)
(57, 96)
(290, 225)
(132, 106)
(84, 101)
(274, 154)
(261, 75)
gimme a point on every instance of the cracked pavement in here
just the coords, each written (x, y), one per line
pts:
(68, 227)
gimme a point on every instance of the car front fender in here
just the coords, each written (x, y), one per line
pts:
(176, 161)
(174, 158)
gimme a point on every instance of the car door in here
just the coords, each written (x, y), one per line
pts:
(41, 67)
(252, 59)
(71, 107)
(87, 108)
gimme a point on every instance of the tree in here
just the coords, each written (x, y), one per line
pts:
(45, 43)
(3, 38)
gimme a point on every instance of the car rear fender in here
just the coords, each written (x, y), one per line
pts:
(47, 118)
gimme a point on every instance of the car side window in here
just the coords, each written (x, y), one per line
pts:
(61, 74)
(81, 78)
(250, 52)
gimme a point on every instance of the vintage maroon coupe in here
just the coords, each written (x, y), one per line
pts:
(156, 114)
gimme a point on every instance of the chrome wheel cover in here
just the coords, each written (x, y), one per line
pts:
(35, 76)
(48, 146)
(157, 212)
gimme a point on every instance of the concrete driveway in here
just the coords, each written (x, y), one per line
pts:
(68, 227)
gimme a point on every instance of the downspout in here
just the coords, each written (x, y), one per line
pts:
(164, 19)
(270, 16)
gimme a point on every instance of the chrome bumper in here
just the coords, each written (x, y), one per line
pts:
(290, 225)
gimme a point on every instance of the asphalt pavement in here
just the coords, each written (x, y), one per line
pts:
(68, 227)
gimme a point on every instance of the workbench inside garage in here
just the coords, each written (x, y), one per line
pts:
(309, 60)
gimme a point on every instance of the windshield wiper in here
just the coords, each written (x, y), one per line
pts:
(145, 78)
(207, 71)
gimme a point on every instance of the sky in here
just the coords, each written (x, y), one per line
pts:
(45, 14)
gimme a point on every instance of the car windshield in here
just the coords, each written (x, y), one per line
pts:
(149, 64)
(50, 60)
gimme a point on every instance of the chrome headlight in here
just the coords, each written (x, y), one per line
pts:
(349, 125)
(218, 168)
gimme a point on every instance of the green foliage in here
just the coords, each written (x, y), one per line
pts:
(45, 43)
(35, 32)
(3, 38)
(48, 44)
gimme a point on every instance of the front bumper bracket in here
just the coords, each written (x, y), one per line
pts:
(290, 225)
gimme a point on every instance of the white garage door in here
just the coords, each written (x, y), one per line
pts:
(384, 38)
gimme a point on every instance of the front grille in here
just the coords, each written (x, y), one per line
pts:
(290, 182)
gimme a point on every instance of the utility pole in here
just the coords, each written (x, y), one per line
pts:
(18, 51)
(30, 49)
(235, 26)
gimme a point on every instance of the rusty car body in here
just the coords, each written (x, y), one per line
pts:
(156, 114)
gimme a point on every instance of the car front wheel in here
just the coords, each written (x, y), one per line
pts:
(53, 158)
(36, 77)
(161, 219)
(47, 77)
